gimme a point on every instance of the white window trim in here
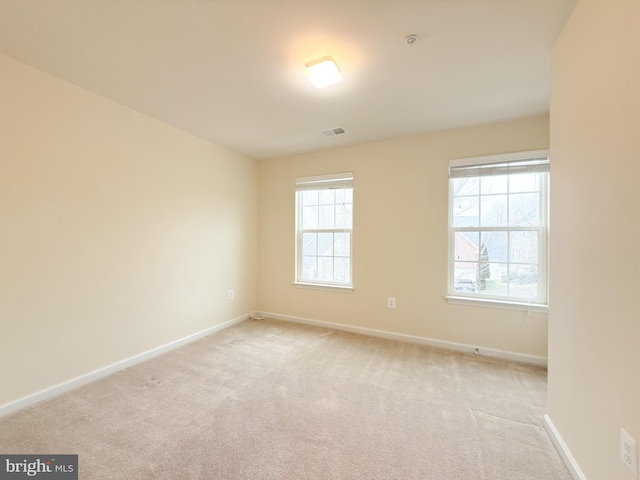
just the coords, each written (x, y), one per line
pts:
(503, 302)
(335, 180)
(484, 302)
(499, 158)
(324, 286)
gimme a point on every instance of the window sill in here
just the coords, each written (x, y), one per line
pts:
(483, 302)
(322, 286)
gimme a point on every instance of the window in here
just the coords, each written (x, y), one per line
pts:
(498, 222)
(324, 223)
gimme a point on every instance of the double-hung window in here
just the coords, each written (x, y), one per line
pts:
(324, 225)
(498, 228)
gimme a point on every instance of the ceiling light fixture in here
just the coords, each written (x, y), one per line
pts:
(323, 72)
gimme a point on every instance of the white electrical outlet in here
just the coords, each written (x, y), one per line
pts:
(629, 452)
(391, 302)
(230, 294)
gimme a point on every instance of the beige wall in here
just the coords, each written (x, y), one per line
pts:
(400, 238)
(594, 347)
(118, 233)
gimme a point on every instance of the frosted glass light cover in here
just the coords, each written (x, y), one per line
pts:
(323, 72)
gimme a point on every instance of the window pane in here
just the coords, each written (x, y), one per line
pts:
(466, 212)
(523, 247)
(466, 246)
(524, 209)
(523, 281)
(524, 182)
(309, 268)
(325, 269)
(494, 184)
(344, 195)
(523, 274)
(465, 186)
(493, 210)
(309, 218)
(310, 197)
(325, 244)
(327, 216)
(327, 197)
(342, 244)
(465, 274)
(342, 270)
(309, 244)
(344, 216)
(496, 246)
(496, 283)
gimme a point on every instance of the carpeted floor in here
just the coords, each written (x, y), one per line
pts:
(274, 400)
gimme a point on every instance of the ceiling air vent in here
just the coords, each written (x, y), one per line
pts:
(333, 131)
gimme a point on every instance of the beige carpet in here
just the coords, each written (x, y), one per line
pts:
(274, 400)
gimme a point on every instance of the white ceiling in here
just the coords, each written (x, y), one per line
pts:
(231, 71)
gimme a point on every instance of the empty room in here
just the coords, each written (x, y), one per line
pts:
(319, 239)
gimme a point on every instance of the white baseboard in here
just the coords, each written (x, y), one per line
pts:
(563, 450)
(64, 387)
(461, 347)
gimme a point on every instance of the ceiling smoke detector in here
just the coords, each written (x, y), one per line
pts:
(411, 39)
(333, 131)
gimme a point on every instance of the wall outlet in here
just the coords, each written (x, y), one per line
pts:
(391, 302)
(230, 294)
(629, 452)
